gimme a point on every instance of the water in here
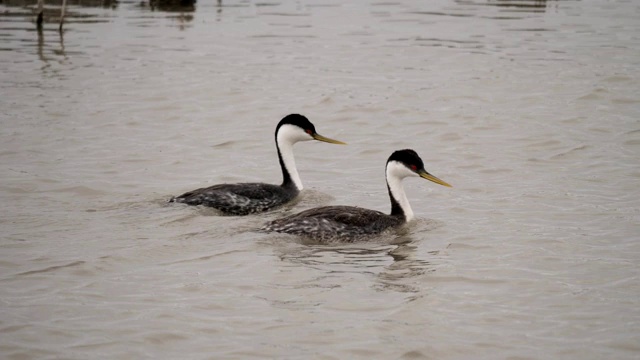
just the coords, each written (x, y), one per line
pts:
(530, 109)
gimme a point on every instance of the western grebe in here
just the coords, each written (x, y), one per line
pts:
(350, 222)
(249, 198)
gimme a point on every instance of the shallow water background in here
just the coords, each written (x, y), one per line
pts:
(530, 109)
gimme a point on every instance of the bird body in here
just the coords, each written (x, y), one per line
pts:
(240, 199)
(251, 198)
(335, 222)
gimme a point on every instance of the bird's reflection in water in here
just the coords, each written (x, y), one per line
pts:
(393, 265)
(400, 274)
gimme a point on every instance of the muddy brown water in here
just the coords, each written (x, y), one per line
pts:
(530, 109)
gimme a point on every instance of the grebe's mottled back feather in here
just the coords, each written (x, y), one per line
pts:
(240, 199)
(335, 222)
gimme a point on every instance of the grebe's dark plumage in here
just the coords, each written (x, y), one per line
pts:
(349, 222)
(250, 198)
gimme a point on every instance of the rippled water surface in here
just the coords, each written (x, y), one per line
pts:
(530, 109)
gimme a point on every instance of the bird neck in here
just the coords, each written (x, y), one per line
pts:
(290, 175)
(399, 203)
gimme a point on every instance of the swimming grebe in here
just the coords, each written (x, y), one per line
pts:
(250, 198)
(349, 222)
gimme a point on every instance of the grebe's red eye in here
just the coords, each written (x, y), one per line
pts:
(414, 168)
(309, 132)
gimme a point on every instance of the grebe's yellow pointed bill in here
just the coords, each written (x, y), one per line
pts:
(425, 175)
(326, 139)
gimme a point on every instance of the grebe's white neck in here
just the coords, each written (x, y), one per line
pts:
(395, 172)
(285, 138)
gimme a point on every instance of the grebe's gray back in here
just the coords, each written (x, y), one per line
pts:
(249, 198)
(348, 223)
